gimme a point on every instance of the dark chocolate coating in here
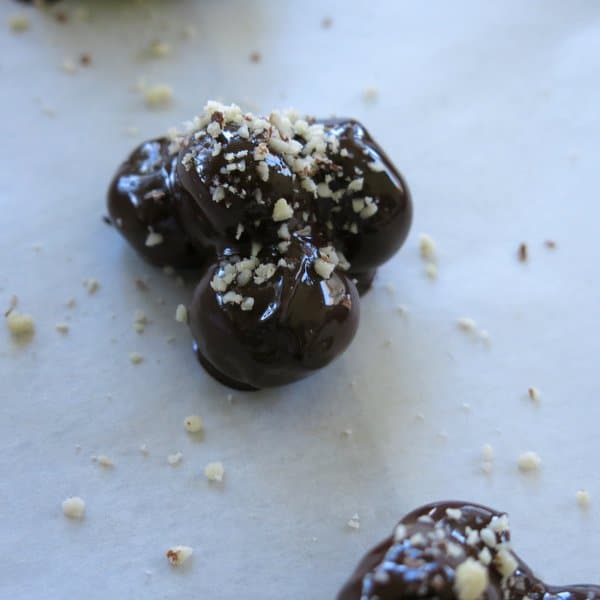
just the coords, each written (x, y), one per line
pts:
(141, 198)
(396, 570)
(380, 236)
(299, 322)
(211, 196)
(197, 208)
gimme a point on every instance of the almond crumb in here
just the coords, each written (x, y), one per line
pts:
(181, 314)
(427, 247)
(158, 96)
(193, 424)
(471, 580)
(583, 498)
(73, 508)
(136, 358)
(18, 23)
(214, 471)
(523, 252)
(177, 555)
(19, 324)
(354, 521)
(529, 461)
(534, 394)
(91, 285)
(105, 461)
(174, 459)
(62, 328)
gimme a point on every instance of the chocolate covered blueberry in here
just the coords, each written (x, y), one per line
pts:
(452, 550)
(291, 217)
(271, 318)
(141, 204)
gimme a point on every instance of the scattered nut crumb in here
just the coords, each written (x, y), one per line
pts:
(71, 303)
(370, 95)
(534, 394)
(85, 59)
(174, 459)
(18, 23)
(214, 471)
(255, 57)
(326, 22)
(73, 508)
(523, 252)
(136, 358)
(139, 320)
(529, 461)
(105, 461)
(583, 498)
(158, 49)
(466, 324)
(431, 270)
(181, 314)
(62, 328)
(347, 432)
(551, 244)
(466, 406)
(131, 131)
(354, 521)
(154, 239)
(177, 555)
(144, 449)
(69, 66)
(488, 452)
(427, 247)
(158, 96)
(193, 424)
(91, 285)
(19, 324)
(471, 580)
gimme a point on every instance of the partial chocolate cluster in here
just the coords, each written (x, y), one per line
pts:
(452, 550)
(286, 220)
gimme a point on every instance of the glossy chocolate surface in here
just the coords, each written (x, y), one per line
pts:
(298, 323)
(215, 194)
(421, 557)
(141, 200)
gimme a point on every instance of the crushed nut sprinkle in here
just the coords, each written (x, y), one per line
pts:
(73, 508)
(529, 461)
(181, 314)
(522, 253)
(193, 424)
(214, 472)
(19, 324)
(583, 498)
(177, 555)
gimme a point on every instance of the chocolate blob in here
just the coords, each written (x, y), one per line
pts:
(431, 550)
(287, 219)
(292, 324)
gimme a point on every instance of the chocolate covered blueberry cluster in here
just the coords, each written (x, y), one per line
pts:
(285, 218)
(452, 551)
